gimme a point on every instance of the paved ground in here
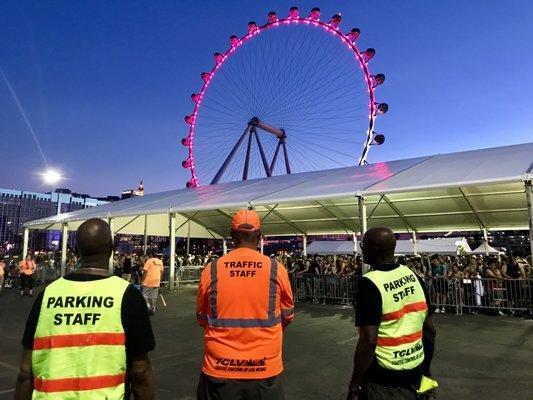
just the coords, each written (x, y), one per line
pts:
(478, 357)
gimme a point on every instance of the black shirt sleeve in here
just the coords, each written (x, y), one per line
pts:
(31, 322)
(367, 304)
(136, 323)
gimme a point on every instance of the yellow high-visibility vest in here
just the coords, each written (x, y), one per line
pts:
(404, 311)
(79, 345)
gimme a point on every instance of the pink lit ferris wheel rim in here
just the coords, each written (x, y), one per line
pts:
(255, 31)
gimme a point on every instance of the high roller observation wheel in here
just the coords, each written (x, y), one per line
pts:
(194, 120)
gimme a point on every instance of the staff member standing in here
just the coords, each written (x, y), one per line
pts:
(88, 334)
(396, 334)
(26, 270)
(151, 280)
(244, 302)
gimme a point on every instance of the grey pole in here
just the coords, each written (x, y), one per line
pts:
(111, 222)
(362, 223)
(145, 235)
(354, 239)
(172, 255)
(485, 241)
(25, 242)
(261, 245)
(304, 249)
(224, 246)
(415, 252)
(529, 194)
(188, 248)
(64, 242)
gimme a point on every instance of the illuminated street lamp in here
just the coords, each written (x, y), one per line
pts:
(51, 177)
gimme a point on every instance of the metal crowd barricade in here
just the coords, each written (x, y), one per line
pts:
(189, 274)
(324, 288)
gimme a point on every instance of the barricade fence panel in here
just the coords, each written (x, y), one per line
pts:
(454, 294)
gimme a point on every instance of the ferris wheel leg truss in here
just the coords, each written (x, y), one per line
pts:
(251, 132)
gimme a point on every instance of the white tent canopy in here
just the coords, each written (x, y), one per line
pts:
(461, 191)
(481, 250)
(331, 247)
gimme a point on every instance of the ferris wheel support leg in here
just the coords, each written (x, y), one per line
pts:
(247, 159)
(273, 163)
(263, 157)
(287, 165)
(230, 156)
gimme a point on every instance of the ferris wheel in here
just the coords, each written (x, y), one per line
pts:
(292, 95)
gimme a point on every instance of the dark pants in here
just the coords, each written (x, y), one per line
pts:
(210, 388)
(26, 281)
(372, 391)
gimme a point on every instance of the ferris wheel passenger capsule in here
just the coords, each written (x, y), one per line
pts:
(335, 21)
(218, 57)
(353, 34)
(252, 26)
(233, 40)
(205, 76)
(378, 139)
(189, 119)
(381, 108)
(294, 13)
(186, 141)
(187, 163)
(315, 14)
(368, 54)
(272, 17)
(377, 79)
(191, 184)
(196, 97)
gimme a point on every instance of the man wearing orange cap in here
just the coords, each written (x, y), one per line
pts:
(244, 303)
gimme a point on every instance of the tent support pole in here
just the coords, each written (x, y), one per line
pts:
(188, 248)
(172, 253)
(111, 222)
(414, 243)
(145, 235)
(224, 246)
(25, 242)
(64, 242)
(529, 194)
(304, 242)
(485, 241)
(354, 240)
(362, 223)
(262, 245)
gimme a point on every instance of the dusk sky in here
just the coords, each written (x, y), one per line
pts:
(105, 84)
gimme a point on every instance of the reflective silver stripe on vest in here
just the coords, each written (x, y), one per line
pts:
(272, 319)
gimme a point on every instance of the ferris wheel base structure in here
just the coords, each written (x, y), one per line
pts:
(251, 133)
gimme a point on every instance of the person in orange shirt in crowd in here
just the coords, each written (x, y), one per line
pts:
(150, 281)
(2, 273)
(244, 303)
(26, 268)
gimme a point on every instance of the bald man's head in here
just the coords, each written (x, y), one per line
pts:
(94, 243)
(378, 246)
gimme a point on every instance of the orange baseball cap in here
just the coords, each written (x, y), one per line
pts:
(246, 221)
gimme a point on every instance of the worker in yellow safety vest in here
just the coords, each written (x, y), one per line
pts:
(88, 334)
(396, 334)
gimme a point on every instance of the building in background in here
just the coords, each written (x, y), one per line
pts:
(133, 192)
(20, 206)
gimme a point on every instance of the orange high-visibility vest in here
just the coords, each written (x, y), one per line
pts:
(243, 298)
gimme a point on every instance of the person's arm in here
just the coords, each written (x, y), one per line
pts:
(428, 340)
(24, 388)
(141, 377)
(286, 300)
(146, 267)
(203, 295)
(364, 354)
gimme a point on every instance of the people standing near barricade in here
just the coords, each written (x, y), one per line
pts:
(88, 334)
(26, 268)
(151, 280)
(440, 284)
(2, 273)
(244, 303)
(127, 268)
(396, 335)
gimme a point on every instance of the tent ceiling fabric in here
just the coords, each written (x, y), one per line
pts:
(457, 191)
